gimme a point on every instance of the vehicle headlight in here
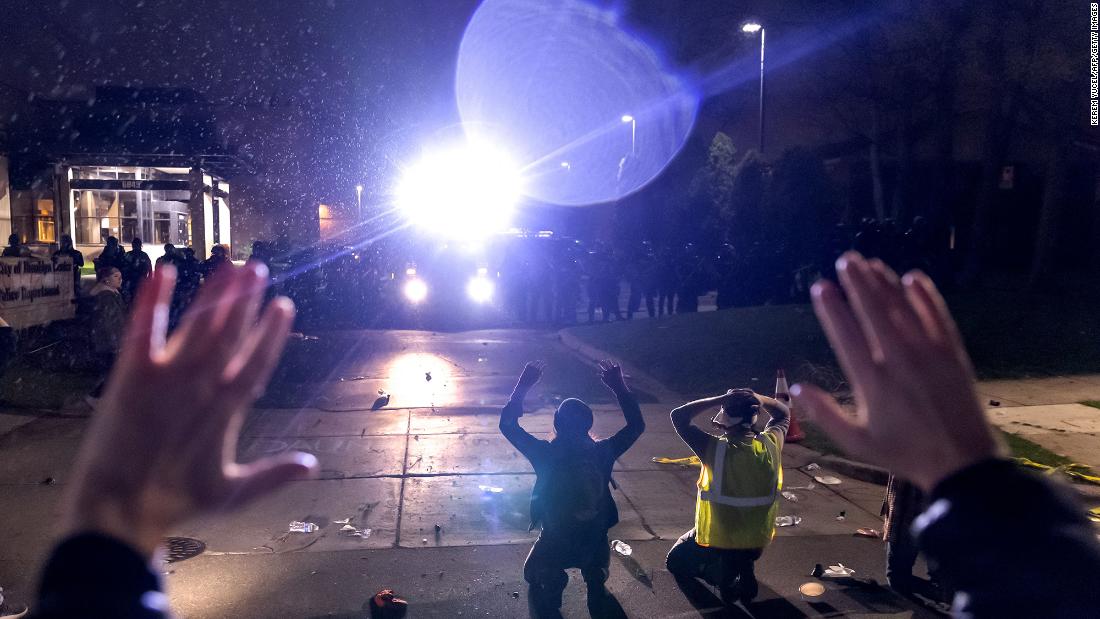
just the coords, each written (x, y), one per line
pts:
(480, 289)
(416, 290)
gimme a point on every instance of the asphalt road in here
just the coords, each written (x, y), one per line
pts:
(432, 457)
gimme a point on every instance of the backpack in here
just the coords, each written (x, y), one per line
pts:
(575, 489)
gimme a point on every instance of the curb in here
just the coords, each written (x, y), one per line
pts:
(875, 475)
(856, 470)
(595, 355)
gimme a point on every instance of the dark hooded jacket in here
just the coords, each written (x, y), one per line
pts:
(547, 457)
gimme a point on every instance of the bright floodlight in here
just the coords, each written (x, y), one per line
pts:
(627, 118)
(480, 289)
(416, 290)
(751, 27)
(464, 192)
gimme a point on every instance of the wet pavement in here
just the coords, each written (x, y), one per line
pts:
(444, 496)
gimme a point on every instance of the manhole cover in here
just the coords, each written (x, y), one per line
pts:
(180, 548)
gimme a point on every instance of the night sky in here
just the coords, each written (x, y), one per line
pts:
(323, 95)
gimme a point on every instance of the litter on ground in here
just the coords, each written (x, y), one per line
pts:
(838, 571)
(302, 527)
(688, 461)
(787, 521)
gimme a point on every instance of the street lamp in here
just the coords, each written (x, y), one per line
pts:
(753, 28)
(627, 118)
(359, 202)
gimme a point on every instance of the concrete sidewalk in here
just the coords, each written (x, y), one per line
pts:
(1046, 411)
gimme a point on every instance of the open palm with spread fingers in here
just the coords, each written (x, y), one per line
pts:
(532, 373)
(162, 445)
(918, 412)
(611, 374)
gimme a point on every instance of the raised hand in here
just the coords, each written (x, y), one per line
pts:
(162, 445)
(530, 376)
(918, 413)
(611, 374)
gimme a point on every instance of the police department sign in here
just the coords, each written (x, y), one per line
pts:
(34, 292)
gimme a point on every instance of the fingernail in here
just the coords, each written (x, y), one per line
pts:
(796, 390)
(284, 303)
(260, 270)
(908, 279)
(307, 460)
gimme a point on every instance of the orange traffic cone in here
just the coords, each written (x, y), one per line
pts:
(794, 433)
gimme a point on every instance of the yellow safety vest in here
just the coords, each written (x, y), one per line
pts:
(739, 486)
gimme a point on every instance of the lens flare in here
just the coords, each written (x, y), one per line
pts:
(466, 192)
(592, 111)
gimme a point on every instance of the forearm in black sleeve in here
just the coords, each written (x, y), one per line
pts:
(1011, 544)
(635, 423)
(509, 426)
(693, 437)
(95, 576)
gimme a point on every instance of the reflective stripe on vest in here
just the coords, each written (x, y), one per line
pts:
(715, 494)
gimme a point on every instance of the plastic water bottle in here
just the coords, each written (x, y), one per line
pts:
(622, 547)
(302, 527)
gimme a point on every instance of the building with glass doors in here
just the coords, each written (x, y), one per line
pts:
(136, 164)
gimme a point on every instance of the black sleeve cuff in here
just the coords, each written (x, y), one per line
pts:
(91, 575)
(990, 500)
(995, 471)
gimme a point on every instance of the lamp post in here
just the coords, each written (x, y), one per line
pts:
(627, 118)
(359, 203)
(752, 28)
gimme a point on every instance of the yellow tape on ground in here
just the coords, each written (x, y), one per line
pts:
(1073, 470)
(688, 461)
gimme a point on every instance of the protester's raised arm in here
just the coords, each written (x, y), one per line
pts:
(509, 416)
(611, 374)
(779, 412)
(682, 415)
(528, 378)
